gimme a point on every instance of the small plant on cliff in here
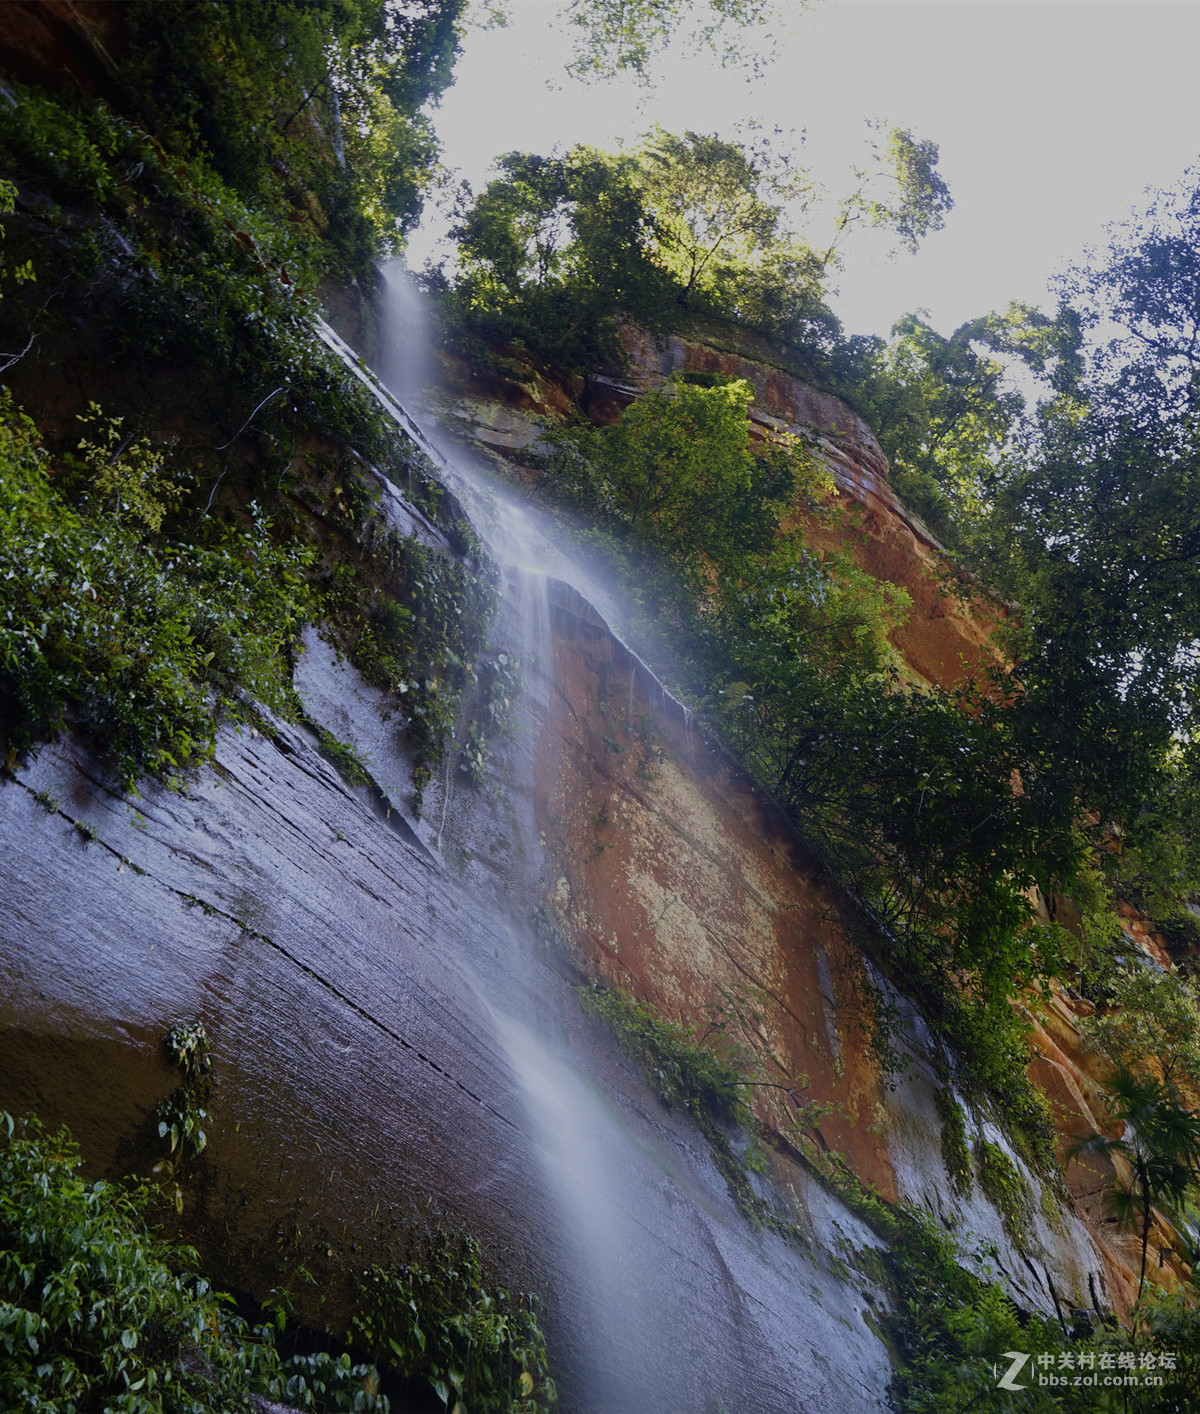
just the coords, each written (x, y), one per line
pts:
(499, 683)
(686, 1073)
(706, 1076)
(1004, 1185)
(181, 1115)
(435, 1323)
(955, 1154)
(353, 769)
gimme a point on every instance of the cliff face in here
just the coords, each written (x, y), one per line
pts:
(677, 882)
(383, 1043)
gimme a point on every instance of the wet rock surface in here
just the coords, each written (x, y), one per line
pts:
(350, 991)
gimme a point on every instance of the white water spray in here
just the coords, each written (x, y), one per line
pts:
(664, 1299)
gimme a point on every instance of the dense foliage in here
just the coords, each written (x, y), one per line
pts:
(680, 475)
(554, 252)
(162, 554)
(474, 1347)
(141, 646)
(944, 409)
(1090, 523)
(313, 110)
(95, 1312)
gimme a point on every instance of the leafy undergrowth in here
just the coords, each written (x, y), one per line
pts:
(95, 1312)
(142, 644)
(98, 1313)
(476, 1348)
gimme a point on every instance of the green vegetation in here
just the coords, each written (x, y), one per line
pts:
(702, 1079)
(1150, 1025)
(350, 765)
(156, 582)
(1090, 524)
(686, 1073)
(956, 1155)
(680, 476)
(181, 1114)
(909, 795)
(626, 36)
(947, 1325)
(1004, 1186)
(951, 1329)
(312, 110)
(97, 1312)
(555, 252)
(475, 1348)
(498, 682)
(944, 409)
(142, 647)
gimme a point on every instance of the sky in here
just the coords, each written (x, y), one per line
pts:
(1052, 118)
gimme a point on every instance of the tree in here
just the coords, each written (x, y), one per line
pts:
(1151, 1028)
(553, 251)
(946, 410)
(902, 191)
(1160, 1141)
(1140, 298)
(1091, 522)
(942, 412)
(1096, 529)
(707, 197)
(679, 471)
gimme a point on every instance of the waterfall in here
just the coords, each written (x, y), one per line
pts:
(663, 1298)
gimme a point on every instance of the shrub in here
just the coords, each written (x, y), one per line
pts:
(97, 1313)
(436, 1323)
(142, 644)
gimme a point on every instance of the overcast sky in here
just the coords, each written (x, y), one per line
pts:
(1052, 117)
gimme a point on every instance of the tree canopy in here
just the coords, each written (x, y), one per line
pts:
(626, 36)
(554, 251)
(1085, 512)
(314, 107)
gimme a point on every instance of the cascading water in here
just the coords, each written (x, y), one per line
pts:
(575, 1133)
(662, 1298)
